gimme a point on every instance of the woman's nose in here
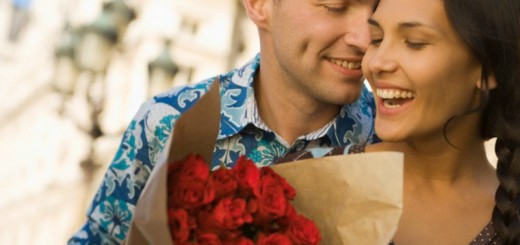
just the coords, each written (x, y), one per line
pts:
(380, 58)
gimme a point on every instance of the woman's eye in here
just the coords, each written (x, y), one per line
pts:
(376, 42)
(336, 8)
(415, 44)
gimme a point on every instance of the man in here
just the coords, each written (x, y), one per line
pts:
(300, 92)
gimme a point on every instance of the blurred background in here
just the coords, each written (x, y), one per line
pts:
(72, 75)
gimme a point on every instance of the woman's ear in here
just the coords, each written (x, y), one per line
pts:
(258, 11)
(491, 82)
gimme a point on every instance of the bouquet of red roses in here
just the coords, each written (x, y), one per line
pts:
(242, 205)
(353, 199)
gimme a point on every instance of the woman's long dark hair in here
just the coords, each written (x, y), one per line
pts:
(491, 29)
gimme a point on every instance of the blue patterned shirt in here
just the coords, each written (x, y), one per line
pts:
(242, 132)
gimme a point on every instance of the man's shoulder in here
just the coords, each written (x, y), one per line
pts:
(176, 100)
(180, 96)
(354, 125)
(366, 98)
(235, 87)
(365, 104)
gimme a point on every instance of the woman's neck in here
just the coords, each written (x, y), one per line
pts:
(441, 164)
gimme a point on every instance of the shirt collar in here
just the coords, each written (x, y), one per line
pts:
(239, 108)
(236, 96)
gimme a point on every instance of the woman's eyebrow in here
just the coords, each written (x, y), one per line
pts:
(403, 25)
(408, 25)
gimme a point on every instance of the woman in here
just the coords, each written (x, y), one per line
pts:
(446, 77)
(431, 65)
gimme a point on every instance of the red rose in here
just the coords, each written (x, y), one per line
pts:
(240, 240)
(190, 194)
(193, 167)
(208, 239)
(303, 231)
(224, 182)
(233, 206)
(248, 176)
(272, 203)
(179, 223)
(274, 239)
(228, 214)
(252, 205)
(284, 222)
(287, 188)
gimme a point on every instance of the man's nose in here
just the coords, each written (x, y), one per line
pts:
(357, 32)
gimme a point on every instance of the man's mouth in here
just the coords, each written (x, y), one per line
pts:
(346, 64)
(394, 98)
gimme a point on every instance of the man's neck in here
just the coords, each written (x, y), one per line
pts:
(289, 113)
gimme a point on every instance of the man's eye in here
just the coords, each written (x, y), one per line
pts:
(336, 8)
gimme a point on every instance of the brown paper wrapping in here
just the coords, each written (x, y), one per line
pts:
(150, 222)
(353, 199)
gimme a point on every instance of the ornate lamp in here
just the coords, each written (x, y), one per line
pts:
(93, 55)
(121, 13)
(66, 70)
(161, 71)
(98, 39)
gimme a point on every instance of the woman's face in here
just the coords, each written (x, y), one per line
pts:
(420, 71)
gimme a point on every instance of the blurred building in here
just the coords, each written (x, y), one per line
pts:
(57, 144)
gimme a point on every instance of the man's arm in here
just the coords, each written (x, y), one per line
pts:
(111, 210)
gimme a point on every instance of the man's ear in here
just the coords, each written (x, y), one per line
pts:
(491, 82)
(258, 11)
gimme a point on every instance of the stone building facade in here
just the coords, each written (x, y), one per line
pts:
(44, 191)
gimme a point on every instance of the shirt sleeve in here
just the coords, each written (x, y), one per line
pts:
(110, 213)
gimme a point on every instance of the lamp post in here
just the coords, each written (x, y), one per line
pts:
(161, 71)
(97, 41)
(66, 70)
(121, 13)
(93, 55)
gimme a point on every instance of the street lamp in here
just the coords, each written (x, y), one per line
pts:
(97, 41)
(121, 13)
(93, 55)
(161, 71)
(66, 70)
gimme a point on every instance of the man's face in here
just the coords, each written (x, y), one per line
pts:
(319, 45)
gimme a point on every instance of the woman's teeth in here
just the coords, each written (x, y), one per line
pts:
(394, 98)
(394, 94)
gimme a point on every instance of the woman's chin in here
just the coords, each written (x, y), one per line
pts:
(388, 135)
